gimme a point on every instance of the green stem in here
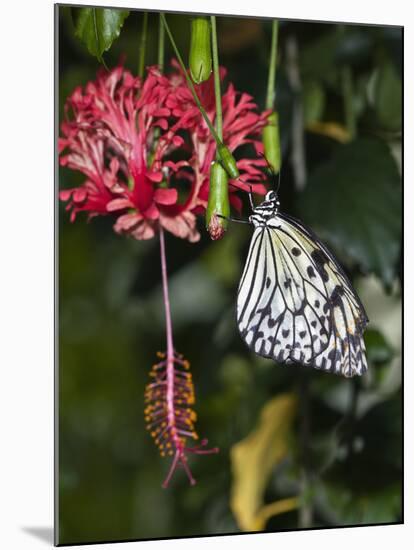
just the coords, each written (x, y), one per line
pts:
(189, 83)
(226, 158)
(305, 518)
(298, 157)
(218, 197)
(271, 81)
(161, 52)
(348, 93)
(161, 45)
(143, 44)
(271, 138)
(216, 71)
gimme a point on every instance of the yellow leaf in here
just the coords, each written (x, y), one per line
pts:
(253, 460)
(273, 509)
(330, 129)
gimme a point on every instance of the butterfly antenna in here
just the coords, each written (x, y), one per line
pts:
(273, 173)
(250, 192)
(251, 197)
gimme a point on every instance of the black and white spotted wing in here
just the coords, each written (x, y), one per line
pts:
(295, 303)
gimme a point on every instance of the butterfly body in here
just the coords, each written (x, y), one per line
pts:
(295, 303)
(266, 211)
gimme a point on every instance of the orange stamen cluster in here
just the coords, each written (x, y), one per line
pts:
(168, 413)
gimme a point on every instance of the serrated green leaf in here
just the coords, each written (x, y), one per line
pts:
(97, 28)
(353, 202)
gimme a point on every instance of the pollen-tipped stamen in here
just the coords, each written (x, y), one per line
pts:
(169, 417)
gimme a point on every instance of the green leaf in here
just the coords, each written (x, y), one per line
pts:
(378, 349)
(343, 507)
(318, 59)
(97, 28)
(354, 203)
(387, 92)
(313, 101)
(236, 374)
(355, 46)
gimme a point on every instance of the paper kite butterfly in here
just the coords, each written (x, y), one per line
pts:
(295, 303)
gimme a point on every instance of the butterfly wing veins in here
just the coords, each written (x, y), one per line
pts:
(281, 322)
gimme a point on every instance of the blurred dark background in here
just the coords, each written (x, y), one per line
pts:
(342, 453)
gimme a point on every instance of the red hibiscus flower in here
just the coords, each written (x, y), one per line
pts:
(146, 151)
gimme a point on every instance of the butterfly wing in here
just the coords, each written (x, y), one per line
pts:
(295, 303)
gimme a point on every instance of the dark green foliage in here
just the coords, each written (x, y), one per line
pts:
(387, 96)
(354, 202)
(378, 349)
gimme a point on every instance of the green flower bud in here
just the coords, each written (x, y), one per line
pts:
(218, 207)
(228, 161)
(200, 50)
(271, 141)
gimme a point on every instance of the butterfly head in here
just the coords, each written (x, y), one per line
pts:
(271, 198)
(265, 210)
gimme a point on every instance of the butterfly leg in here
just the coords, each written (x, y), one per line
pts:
(230, 219)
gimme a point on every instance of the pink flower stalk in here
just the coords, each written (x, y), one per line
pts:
(169, 397)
